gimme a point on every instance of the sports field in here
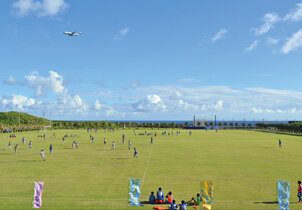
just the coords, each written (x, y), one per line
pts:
(244, 166)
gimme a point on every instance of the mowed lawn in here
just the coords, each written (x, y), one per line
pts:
(244, 166)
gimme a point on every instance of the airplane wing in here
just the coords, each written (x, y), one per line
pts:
(66, 32)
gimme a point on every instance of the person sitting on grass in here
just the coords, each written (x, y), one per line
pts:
(183, 205)
(173, 206)
(160, 196)
(196, 201)
(152, 198)
(299, 191)
(169, 198)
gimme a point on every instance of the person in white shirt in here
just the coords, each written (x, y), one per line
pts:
(43, 155)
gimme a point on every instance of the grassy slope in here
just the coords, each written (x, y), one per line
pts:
(243, 164)
(12, 118)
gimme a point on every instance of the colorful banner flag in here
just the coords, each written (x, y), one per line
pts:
(207, 193)
(134, 191)
(283, 195)
(38, 190)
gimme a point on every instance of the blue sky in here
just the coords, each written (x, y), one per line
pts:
(152, 60)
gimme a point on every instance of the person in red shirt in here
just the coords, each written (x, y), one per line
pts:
(169, 198)
(300, 191)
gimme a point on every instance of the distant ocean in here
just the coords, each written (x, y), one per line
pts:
(191, 122)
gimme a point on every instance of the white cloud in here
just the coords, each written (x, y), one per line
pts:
(295, 15)
(11, 81)
(269, 20)
(272, 41)
(124, 31)
(269, 111)
(218, 105)
(256, 110)
(293, 43)
(39, 7)
(71, 103)
(219, 35)
(121, 33)
(97, 105)
(152, 103)
(17, 101)
(42, 85)
(154, 99)
(252, 46)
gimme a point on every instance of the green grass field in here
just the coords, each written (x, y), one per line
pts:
(244, 166)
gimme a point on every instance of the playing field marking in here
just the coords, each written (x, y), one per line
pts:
(150, 153)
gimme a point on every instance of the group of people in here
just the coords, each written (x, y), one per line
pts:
(169, 199)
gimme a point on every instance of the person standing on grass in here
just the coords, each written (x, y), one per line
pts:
(113, 145)
(299, 191)
(92, 139)
(9, 145)
(44, 136)
(151, 140)
(50, 149)
(16, 148)
(29, 145)
(280, 143)
(129, 145)
(43, 155)
(123, 139)
(105, 141)
(135, 153)
(23, 140)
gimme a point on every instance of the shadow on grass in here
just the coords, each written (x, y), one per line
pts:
(270, 202)
(266, 202)
(30, 160)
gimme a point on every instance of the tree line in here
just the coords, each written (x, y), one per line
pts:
(295, 127)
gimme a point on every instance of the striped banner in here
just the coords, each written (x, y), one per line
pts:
(283, 194)
(38, 190)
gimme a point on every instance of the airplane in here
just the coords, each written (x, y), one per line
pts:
(72, 33)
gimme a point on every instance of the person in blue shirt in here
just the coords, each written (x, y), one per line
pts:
(152, 198)
(160, 196)
(23, 140)
(135, 153)
(183, 205)
(50, 149)
(173, 206)
(123, 139)
(29, 144)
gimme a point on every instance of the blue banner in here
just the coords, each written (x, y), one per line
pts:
(134, 191)
(283, 195)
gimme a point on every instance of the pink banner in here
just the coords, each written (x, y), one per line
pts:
(38, 190)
